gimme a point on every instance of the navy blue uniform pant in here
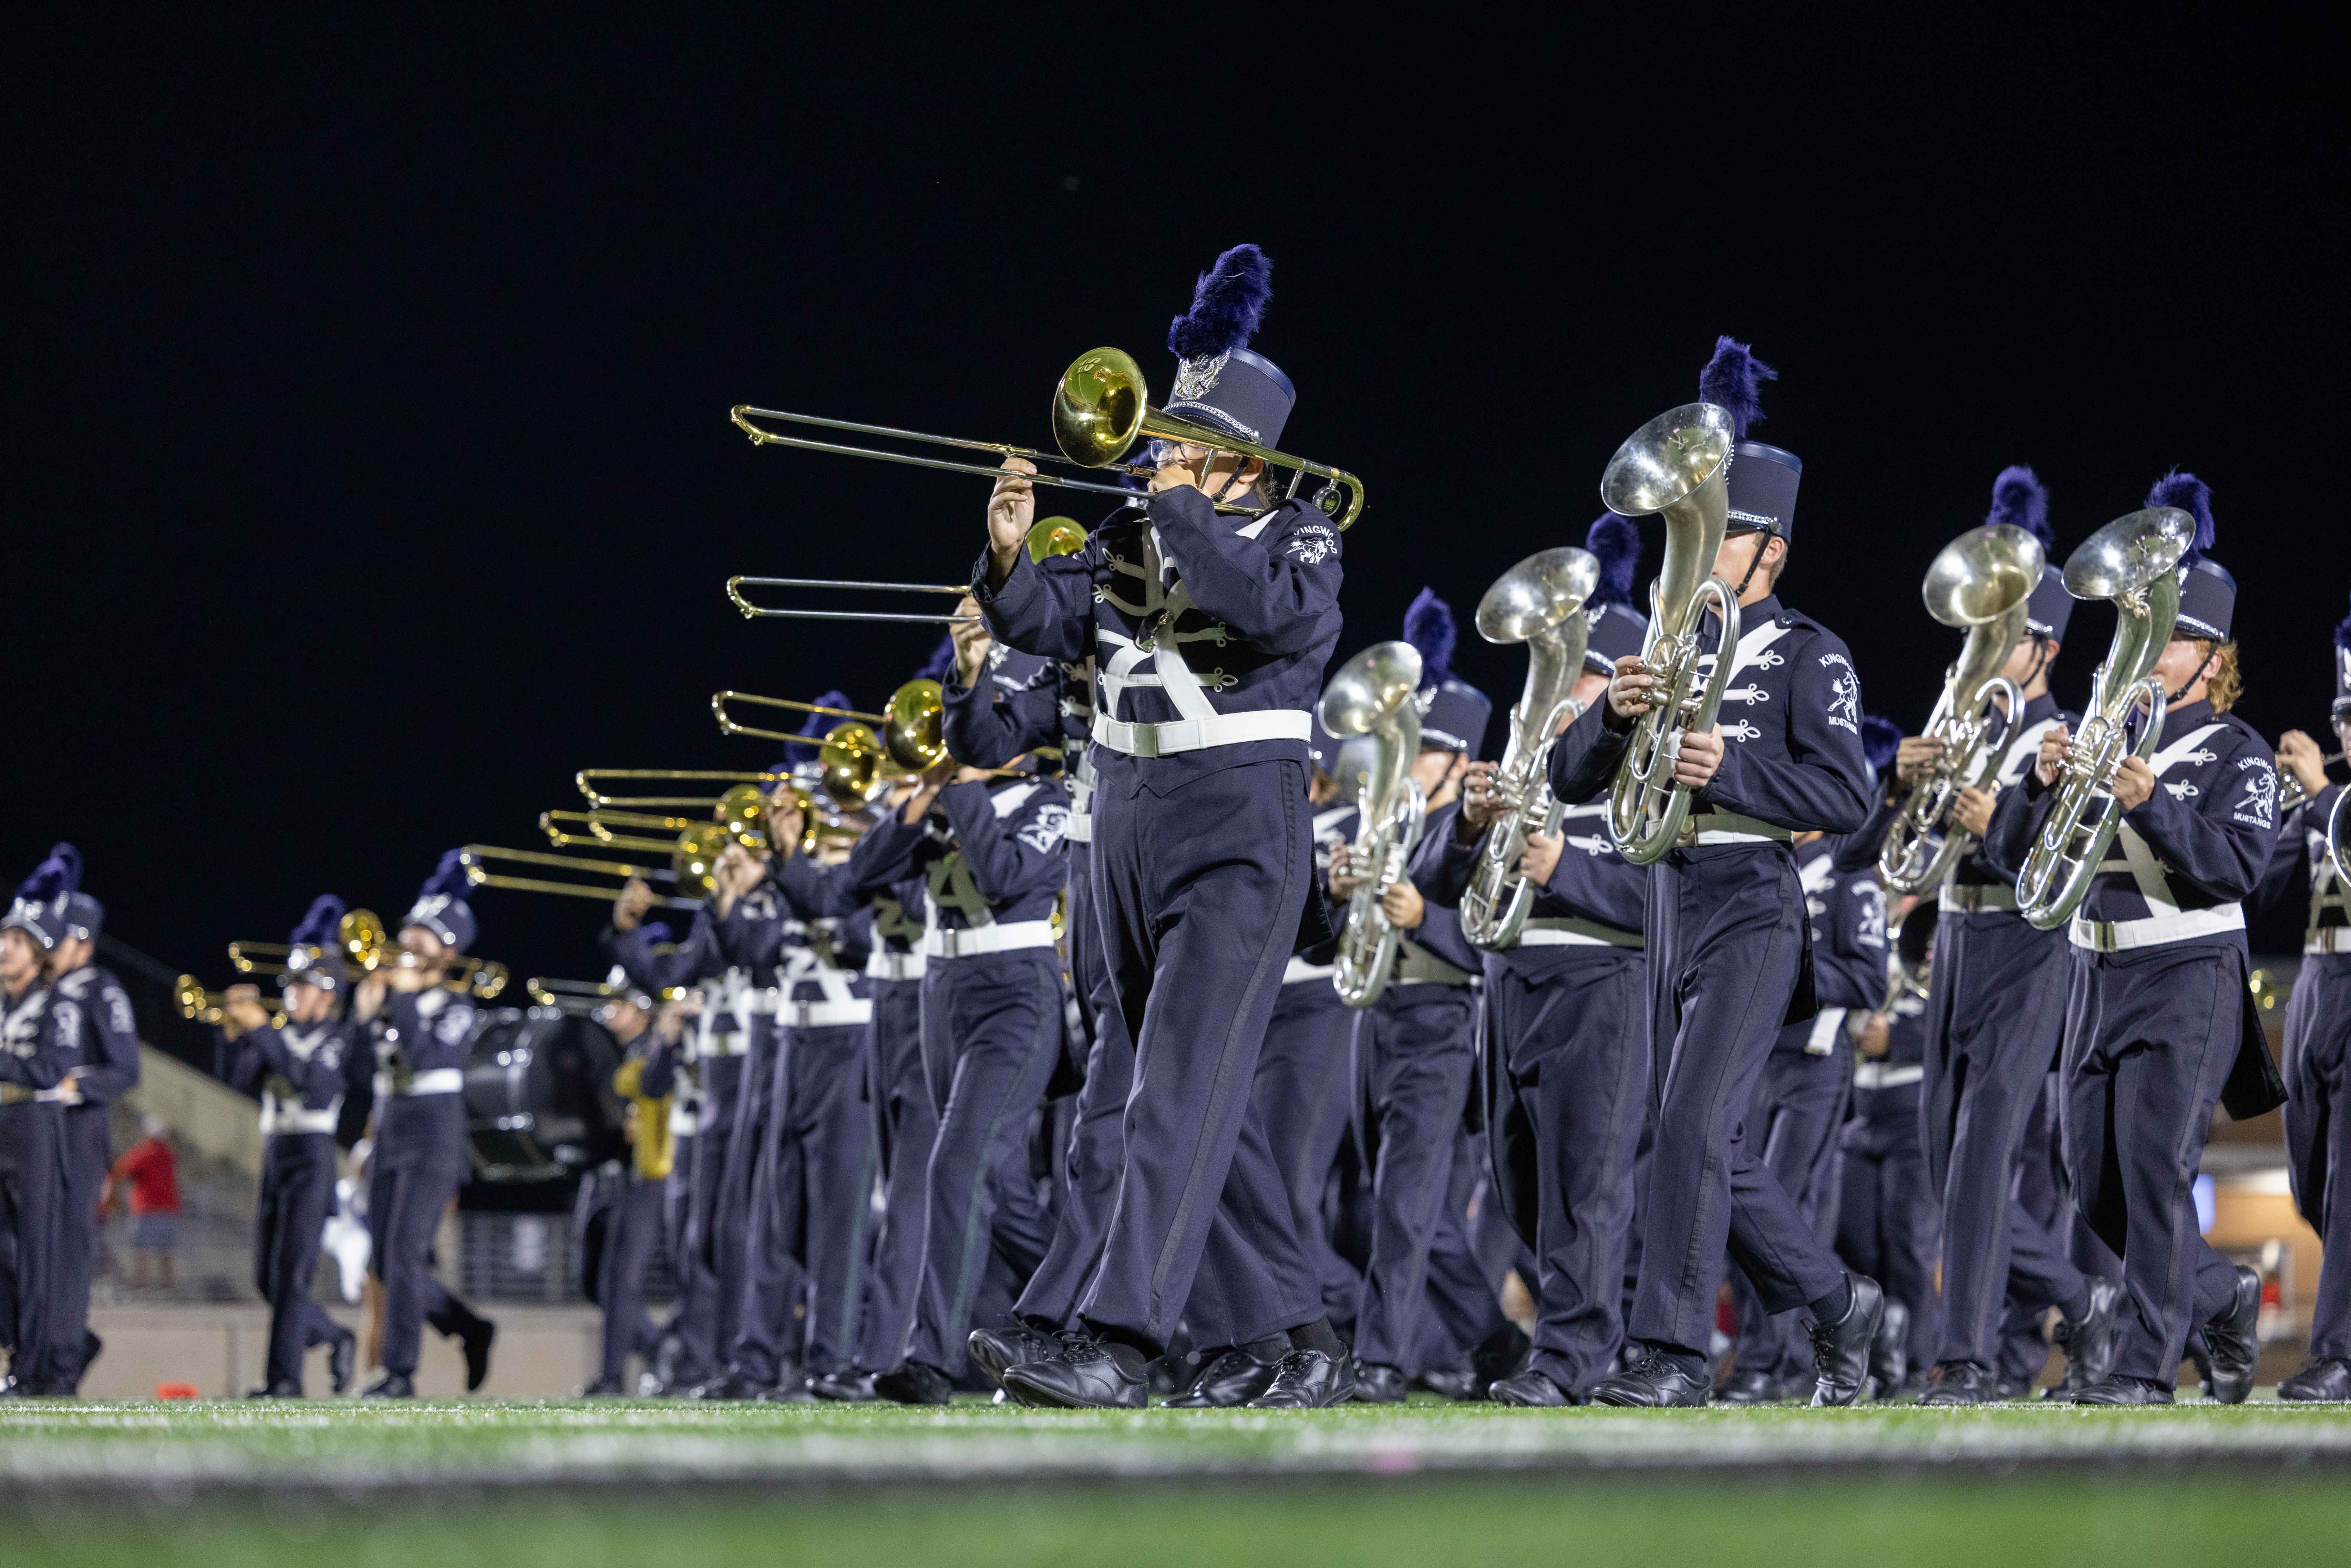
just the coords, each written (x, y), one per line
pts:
(1416, 1052)
(1994, 1019)
(1096, 1146)
(1887, 1213)
(693, 1354)
(715, 1218)
(1798, 1105)
(907, 1124)
(2150, 1036)
(297, 1193)
(996, 1021)
(1572, 1095)
(1199, 893)
(1725, 928)
(772, 1280)
(1304, 1093)
(1464, 1305)
(817, 1201)
(633, 1230)
(89, 1154)
(32, 1213)
(2318, 1136)
(420, 1162)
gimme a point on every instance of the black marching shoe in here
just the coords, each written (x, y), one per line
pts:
(2233, 1341)
(2089, 1343)
(1657, 1379)
(1961, 1383)
(1841, 1349)
(1889, 1352)
(1084, 1374)
(2114, 1390)
(846, 1388)
(391, 1385)
(1377, 1385)
(1227, 1383)
(603, 1388)
(1010, 1343)
(1308, 1380)
(916, 1383)
(1461, 1386)
(279, 1390)
(2327, 1380)
(339, 1356)
(1746, 1388)
(790, 1388)
(1530, 1390)
(477, 1340)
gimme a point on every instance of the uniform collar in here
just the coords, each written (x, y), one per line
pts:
(2177, 721)
(2041, 707)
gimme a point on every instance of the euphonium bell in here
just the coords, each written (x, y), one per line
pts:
(1373, 694)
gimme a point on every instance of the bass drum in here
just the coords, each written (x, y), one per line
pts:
(540, 1103)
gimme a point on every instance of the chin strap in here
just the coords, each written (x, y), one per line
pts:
(1762, 537)
(2172, 698)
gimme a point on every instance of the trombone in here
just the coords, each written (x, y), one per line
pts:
(478, 875)
(1047, 536)
(601, 801)
(368, 946)
(1101, 407)
(2289, 791)
(913, 732)
(587, 996)
(201, 1006)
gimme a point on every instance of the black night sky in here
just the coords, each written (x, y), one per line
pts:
(369, 464)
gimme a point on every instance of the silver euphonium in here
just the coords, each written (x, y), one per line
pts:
(1374, 694)
(1539, 602)
(1674, 466)
(2133, 561)
(1982, 581)
(2338, 838)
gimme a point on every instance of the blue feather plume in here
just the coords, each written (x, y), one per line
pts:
(1428, 627)
(1734, 378)
(942, 662)
(59, 872)
(448, 878)
(816, 725)
(2343, 633)
(2192, 496)
(1228, 303)
(2020, 500)
(1617, 541)
(318, 927)
(1881, 738)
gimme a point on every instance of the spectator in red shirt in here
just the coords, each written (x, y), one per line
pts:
(150, 1173)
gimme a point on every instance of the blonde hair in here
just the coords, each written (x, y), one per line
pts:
(2225, 685)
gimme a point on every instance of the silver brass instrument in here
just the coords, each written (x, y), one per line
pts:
(1539, 602)
(2338, 838)
(1982, 581)
(2133, 562)
(1674, 466)
(1373, 694)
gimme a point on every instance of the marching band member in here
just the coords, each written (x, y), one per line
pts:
(1994, 1020)
(1802, 1097)
(988, 847)
(1728, 943)
(1413, 1046)
(2158, 1024)
(34, 1088)
(420, 1029)
(650, 1033)
(300, 1070)
(1887, 1214)
(1571, 1066)
(87, 1002)
(2318, 1056)
(1202, 849)
(813, 1181)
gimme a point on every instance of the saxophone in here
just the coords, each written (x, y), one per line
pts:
(1539, 602)
(1373, 694)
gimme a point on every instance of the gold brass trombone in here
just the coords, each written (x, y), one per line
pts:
(367, 945)
(587, 996)
(601, 801)
(202, 1006)
(692, 863)
(1047, 536)
(2289, 791)
(912, 732)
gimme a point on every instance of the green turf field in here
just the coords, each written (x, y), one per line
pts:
(647, 1485)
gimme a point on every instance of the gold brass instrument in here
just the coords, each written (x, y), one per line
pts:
(202, 1006)
(1047, 537)
(587, 996)
(729, 724)
(2133, 562)
(1539, 602)
(1373, 694)
(694, 856)
(1982, 581)
(601, 801)
(913, 732)
(743, 416)
(368, 946)
(742, 810)
(2289, 791)
(1672, 467)
(1102, 407)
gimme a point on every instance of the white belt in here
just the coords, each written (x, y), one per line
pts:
(982, 939)
(2118, 935)
(1886, 1074)
(1299, 971)
(1417, 965)
(17, 1095)
(1976, 899)
(296, 1119)
(440, 1081)
(1567, 931)
(1828, 1024)
(1730, 827)
(732, 1043)
(2328, 940)
(1080, 828)
(886, 965)
(1199, 734)
(824, 1015)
